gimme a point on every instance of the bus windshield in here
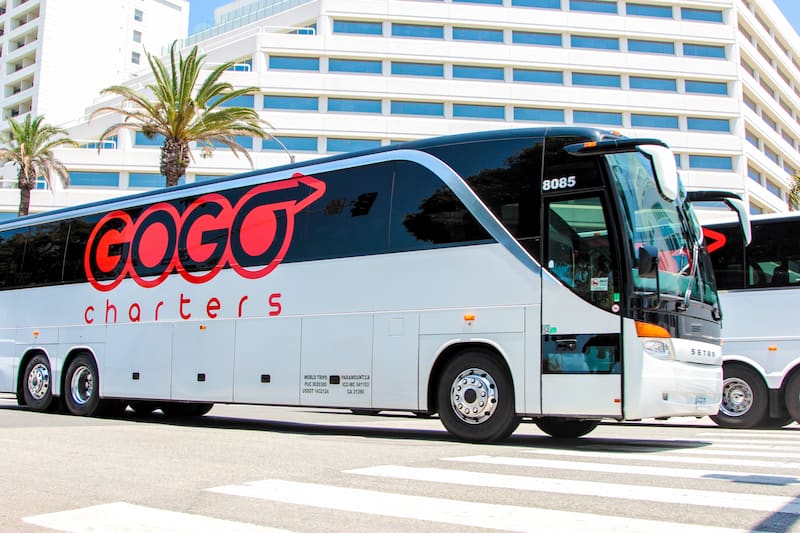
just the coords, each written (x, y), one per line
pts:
(651, 219)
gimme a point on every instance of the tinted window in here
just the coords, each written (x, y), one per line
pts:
(426, 213)
(773, 258)
(352, 218)
(505, 175)
(12, 250)
(44, 254)
(727, 255)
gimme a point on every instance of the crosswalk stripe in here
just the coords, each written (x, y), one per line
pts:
(665, 457)
(708, 450)
(767, 436)
(686, 473)
(121, 517)
(472, 514)
(703, 498)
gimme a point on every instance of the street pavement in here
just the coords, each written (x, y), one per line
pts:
(248, 468)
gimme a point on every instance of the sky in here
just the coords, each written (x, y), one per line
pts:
(202, 12)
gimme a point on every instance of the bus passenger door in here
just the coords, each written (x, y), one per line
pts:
(581, 329)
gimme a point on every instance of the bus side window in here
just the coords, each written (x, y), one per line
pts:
(12, 251)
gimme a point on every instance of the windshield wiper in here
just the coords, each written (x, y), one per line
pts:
(683, 306)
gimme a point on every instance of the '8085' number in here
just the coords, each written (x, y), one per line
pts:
(566, 182)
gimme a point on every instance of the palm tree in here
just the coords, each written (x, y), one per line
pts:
(30, 145)
(183, 113)
(794, 193)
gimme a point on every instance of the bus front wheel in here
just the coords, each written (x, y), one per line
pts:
(476, 398)
(82, 394)
(745, 401)
(38, 390)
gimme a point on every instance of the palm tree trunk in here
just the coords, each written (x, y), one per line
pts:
(26, 181)
(174, 160)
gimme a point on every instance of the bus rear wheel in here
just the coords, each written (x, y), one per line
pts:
(82, 386)
(38, 390)
(792, 396)
(745, 401)
(566, 428)
(476, 398)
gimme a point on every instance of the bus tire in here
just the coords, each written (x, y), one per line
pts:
(37, 388)
(745, 400)
(182, 409)
(566, 428)
(792, 396)
(476, 398)
(777, 422)
(82, 387)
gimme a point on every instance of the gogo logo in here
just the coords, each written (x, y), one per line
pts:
(251, 237)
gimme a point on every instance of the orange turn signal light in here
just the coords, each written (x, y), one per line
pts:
(469, 317)
(643, 329)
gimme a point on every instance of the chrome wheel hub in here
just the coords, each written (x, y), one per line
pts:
(737, 397)
(82, 385)
(473, 396)
(39, 381)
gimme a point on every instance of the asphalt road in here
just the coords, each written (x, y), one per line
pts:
(245, 468)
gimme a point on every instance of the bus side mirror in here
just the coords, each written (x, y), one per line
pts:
(648, 262)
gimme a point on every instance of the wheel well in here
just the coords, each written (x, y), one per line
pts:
(447, 355)
(68, 359)
(30, 354)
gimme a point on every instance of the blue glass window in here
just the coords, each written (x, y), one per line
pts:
(478, 111)
(493, 2)
(541, 39)
(141, 139)
(361, 28)
(300, 103)
(710, 162)
(706, 87)
(595, 6)
(244, 140)
(400, 107)
(596, 80)
(417, 69)
(647, 10)
(774, 189)
(599, 43)
(245, 100)
(705, 15)
(351, 145)
(294, 63)
(355, 65)
(478, 73)
(94, 179)
(546, 4)
(708, 124)
(149, 181)
(651, 47)
(597, 117)
(538, 115)
(205, 177)
(354, 105)
(704, 50)
(293, 144)
(417, 30)
(475, 34)
(654, 121)
(242, 65)
(109, 143)
(539, 76)
(653, 84)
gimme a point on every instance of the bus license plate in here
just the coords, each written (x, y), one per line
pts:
(700, 401)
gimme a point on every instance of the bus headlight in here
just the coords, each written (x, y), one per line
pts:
(658, 348)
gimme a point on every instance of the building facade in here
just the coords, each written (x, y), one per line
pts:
(718, 80)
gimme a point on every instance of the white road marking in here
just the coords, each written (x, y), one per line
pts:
(686, 473)
(123, 517)
(702, 498)
(472, 514)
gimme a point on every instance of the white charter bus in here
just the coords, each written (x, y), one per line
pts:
(760, 290)
(550, 274)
